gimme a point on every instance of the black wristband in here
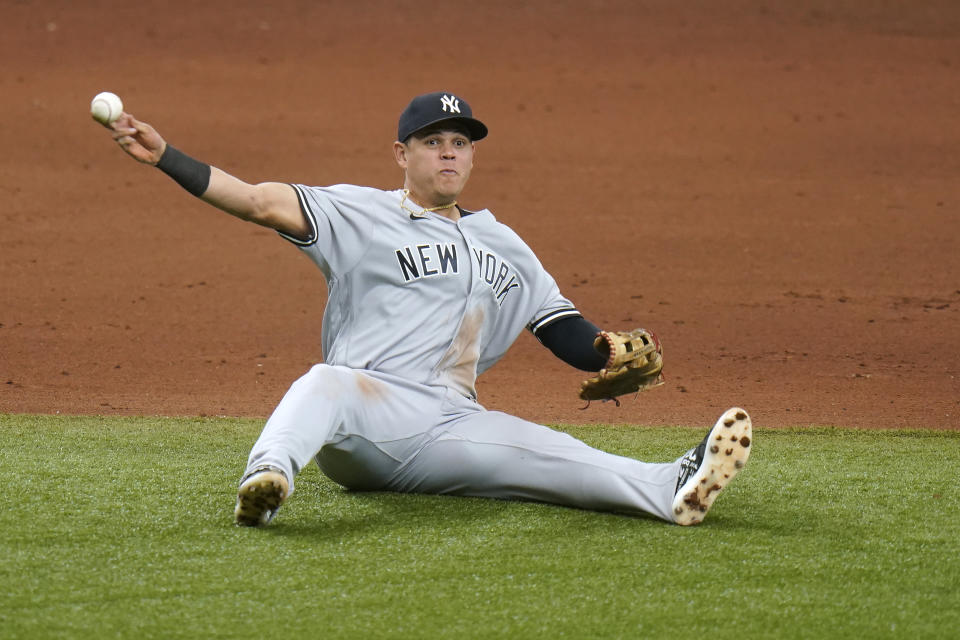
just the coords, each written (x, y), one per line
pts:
(192, 175)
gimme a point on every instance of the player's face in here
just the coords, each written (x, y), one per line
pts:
(437, 163)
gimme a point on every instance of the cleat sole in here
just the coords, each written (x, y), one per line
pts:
(259, 497)
(720, 465)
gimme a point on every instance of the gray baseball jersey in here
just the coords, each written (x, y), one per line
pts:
(426, 298)
(419, 305)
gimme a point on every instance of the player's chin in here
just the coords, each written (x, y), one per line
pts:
(451, 183)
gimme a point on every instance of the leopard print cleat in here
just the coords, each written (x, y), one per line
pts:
(261, 493)
(709, 467)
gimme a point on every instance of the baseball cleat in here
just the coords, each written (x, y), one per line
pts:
(261, 493)
(709, 467)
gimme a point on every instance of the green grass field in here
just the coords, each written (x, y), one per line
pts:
(123, 528)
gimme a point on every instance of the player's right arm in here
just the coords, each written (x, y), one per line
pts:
(271, 204)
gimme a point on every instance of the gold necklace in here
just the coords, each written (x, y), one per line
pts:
(423, 210)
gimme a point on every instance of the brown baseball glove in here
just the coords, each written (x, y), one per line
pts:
(634, 364)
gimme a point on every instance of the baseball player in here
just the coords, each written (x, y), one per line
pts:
(424, 295)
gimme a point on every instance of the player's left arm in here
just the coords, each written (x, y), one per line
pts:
(625, 361)
(572, 340)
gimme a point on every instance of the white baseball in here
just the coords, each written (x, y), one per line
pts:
(106, 107)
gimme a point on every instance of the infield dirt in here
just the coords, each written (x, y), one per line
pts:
(773, 189)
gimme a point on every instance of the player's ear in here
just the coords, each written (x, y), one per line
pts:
(400, 154)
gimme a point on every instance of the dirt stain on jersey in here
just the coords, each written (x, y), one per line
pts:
(458, 367)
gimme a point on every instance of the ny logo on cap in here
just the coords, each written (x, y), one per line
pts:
(452, 102)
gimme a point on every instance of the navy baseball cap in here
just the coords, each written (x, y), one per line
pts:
(438, 106)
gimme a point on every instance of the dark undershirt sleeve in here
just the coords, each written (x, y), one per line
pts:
(571, 340)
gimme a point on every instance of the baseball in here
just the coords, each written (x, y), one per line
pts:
(106, 107)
